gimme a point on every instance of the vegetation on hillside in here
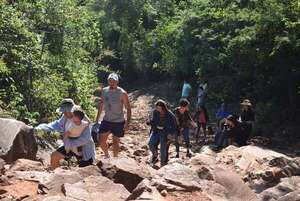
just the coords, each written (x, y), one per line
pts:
(243, 48)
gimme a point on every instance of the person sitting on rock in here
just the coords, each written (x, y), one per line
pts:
(233, 130)
(184, 121)
(163, 126)
(85, 140)
(75, 128)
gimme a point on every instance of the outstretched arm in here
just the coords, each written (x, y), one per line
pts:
(126, 103)
(57, 125)
(100, 107)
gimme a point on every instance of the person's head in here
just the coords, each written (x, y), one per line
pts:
(231, 121)
(161, 106)
(246, 104)
(113, 80)
(78, 114)
(184, 105)
(65, 107)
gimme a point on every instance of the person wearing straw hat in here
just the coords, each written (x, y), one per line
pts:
(247, 117)
(84, 140)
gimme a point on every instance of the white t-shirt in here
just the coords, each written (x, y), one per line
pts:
(75, 130)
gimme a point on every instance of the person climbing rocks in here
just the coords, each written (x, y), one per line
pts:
(84, 140)
(233, 130)
(202, 119)
(184, 122)
(163, 128)
(113, 101)
(75, 128)
(247, 117)
(186, 90)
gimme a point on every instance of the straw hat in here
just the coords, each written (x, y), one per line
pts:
(66, 105)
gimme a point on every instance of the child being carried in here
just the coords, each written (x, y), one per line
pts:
(75, 127)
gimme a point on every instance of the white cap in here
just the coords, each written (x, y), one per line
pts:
(113, 76)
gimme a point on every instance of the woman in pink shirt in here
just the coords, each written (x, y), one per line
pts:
(201, 118)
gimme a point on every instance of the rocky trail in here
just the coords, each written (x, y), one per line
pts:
(247, 173)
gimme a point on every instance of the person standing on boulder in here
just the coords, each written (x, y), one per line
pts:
(84, 140)
(113, 101)
(163, 127)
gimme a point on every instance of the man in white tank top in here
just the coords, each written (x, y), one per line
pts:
(113, 101)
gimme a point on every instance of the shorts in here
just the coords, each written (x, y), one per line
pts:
(116, 128)
(81, 162)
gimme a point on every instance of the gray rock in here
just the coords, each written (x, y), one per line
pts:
(123, 170)
(144, 191)
(16, 140)
(26, 165)
(234, 185)
(95, 188)
(287, 188)
(179, 175)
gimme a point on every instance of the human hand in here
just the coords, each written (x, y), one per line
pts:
(193, 124)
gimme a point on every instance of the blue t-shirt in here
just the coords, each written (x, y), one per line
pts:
(186, 89)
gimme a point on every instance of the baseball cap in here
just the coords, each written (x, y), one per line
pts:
(113, 76)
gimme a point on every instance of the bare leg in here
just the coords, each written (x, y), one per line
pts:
(116, 146)
(103, 143)
(55, 158)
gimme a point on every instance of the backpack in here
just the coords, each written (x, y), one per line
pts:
(95, 131)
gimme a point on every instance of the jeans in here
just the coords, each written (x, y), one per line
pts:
(159, 137)
(186, 137)
(221, 139)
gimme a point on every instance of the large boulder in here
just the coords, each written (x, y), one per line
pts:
(287, 190)
(16, 140)
(124, 170)
(235, 188)
(95, 188)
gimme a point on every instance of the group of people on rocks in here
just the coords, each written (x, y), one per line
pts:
(166, 126)
(76, 127)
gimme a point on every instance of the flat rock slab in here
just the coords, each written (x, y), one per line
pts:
(96, 188)
(27, 165)
(181, 176)
(20, 189)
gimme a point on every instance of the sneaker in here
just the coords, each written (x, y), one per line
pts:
(154, 159)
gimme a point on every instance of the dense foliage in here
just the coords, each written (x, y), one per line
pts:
(242, 48)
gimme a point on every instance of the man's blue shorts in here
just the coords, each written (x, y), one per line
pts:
(116, 128)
